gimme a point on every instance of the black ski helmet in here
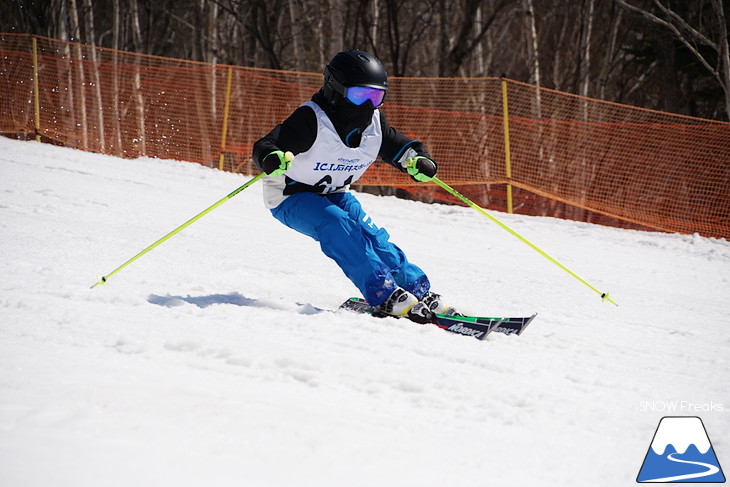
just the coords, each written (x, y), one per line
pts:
(353, 68)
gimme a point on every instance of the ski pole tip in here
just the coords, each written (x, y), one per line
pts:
(605, 297)
(102, 281)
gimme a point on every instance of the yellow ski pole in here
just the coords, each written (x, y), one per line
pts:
(103, 279)
(604, 296)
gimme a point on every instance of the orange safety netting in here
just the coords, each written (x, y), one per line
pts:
(570, 157)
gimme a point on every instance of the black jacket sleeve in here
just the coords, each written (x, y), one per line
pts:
(298, 132)
(295, 134)
(396, 147)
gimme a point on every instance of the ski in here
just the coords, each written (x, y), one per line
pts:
(476, 326)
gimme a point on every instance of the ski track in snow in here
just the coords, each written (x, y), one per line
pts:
(207, 361)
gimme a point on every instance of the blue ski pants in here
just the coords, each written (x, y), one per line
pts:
(349, 237)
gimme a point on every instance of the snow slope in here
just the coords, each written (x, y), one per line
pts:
(205, 362)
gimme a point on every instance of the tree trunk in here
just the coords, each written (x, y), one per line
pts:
(295, 16)
(533, 48)
(211, 54)
(610, 53)
(141, 139)
(116, 45)
(723, 53)
(336, 29)
(376, 23)
(443, 37)
(69, 98)
(81, 79)
(90, 33)
(584, 175)
(586, 42)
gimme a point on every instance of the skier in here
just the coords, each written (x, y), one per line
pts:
(313, 156)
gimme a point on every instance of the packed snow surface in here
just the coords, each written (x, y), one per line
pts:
(212, 360)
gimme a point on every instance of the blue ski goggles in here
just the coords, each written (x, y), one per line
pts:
(360, 94)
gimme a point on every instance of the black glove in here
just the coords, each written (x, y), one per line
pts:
(421, 168)
(277, 162)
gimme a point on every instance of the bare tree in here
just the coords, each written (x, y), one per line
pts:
(404, 30)
(533, 45)
(466, 39)
(141, 139)
(75, 28)
(295, 14)
(116, 45)
(586, 44)
(609, 54)
(598, 48)
(713, 34)
(91, 35)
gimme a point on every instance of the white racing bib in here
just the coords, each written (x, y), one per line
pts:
(329, 164)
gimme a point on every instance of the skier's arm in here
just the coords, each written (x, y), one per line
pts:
(406, 155)
(296, 134)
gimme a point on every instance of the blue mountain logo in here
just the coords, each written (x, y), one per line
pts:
(681, 452)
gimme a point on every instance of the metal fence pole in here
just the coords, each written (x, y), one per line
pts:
(507, 156)
(225, 117)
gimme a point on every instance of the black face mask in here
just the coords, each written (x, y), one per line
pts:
(350, 120)
(356, 115)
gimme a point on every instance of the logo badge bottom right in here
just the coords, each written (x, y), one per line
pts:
(681, 452)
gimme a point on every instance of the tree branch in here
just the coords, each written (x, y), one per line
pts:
(683, 23)
(677, 33)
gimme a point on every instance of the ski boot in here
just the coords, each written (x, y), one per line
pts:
(402, 303)
(435, 303)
